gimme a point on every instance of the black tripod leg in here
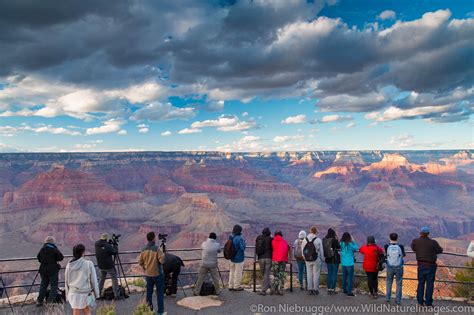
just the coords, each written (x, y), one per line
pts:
(123, 273)
(182, 287)
(29, 290)
(8, 297)
(220, 275)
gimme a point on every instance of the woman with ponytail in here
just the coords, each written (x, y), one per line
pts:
(81, 283)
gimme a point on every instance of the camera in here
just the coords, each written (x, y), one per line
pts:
(162, 236)
(115, 239)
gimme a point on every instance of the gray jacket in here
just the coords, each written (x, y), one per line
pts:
(210, 249)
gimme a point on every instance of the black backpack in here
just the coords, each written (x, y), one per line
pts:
(381, 262)
(229, 249)
(207, 288)
(260, 245)
(109, 293)
(309, 250)
(60, 296)
(328, 249)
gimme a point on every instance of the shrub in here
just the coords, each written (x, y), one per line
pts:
(465, 275)
(143, 309)
(108, 309)
(139, 283)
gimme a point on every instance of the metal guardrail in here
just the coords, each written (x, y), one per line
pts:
(249, 259)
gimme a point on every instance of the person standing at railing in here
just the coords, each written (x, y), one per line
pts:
(333, 259)
(49, 256)
(470, 250)
(81, 283)
(209, 263)
(263, 250)
(395, 253)
(151, 259)
(298, 254)
(313, 253)
(280, 256)
(235, 251)
(104, 253)
(372, 253)
(427, 251)
(348, 247)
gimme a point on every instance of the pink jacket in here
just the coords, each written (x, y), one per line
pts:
(280, 249)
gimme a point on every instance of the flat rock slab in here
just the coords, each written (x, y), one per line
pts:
(199, 302)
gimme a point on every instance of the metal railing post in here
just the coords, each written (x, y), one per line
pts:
(291, 276)
(255, 271)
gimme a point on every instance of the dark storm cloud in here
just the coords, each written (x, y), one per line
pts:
(238, 50)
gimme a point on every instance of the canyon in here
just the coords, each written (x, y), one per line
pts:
(77, 196)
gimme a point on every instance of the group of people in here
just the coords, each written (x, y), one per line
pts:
(272, 252)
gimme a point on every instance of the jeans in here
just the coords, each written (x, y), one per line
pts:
(202, 274)
(313, 270)
(48, 280)
(332, 275)
(265, 268)
(159, 282)
(396, 272)
(301, 272)
(426, 275)
(235, 275)
(113, 275)
(373, 282)
(347, 278)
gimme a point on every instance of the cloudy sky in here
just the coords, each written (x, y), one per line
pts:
(99, 75)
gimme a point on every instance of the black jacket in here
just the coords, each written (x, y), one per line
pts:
(426, 250)
(267, 241)
(104, 252)
(336, 248)
(48, 256)
(172, 264)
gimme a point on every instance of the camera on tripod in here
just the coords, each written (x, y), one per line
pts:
(115, 239)
(162, 237)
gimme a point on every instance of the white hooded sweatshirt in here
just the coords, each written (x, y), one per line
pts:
(80, 277)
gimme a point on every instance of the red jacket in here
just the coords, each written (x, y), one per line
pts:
(371, 254)
(280, 249)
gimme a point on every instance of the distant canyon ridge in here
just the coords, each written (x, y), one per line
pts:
(76, 196)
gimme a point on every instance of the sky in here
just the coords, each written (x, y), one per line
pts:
(99, 75)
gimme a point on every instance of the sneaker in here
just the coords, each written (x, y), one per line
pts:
(350, 294)
(272, 291)
(238, 289)
(39, 304)
(311, 292)
(316, 292)
(173, 295)
(301, 289)
(231, 289)
(262, 293)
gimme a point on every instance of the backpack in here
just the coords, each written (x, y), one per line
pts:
(109, 293)
(309, 250)
(327, 247)
(299, 252)
(394, 255)
(229, 249)
(381, 261)
(60, 296)
(260, 245)
(207, 288)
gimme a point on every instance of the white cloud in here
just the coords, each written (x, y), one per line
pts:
(280, 139)
(247, 143)
(350, 125)
(298, 119)
(394, 113)
(388, 15)
(9, 131)
(122, 132)
(245, 114)
(109, 126)
(142, 126)
(56, 130)
(160, 111)
(143, 130)
(335, 118)
(187, 131)
(166, 133)
(408, 141)
(225, 123)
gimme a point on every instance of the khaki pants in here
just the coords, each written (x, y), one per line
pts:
(202, 274)
(235, 275)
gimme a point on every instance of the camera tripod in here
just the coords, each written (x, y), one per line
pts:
(3, 289)
(29, 290)
(120, 270)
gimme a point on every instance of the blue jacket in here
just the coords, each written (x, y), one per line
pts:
(239, 245)
(347, 253)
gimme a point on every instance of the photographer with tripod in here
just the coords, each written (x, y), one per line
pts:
(49, 256)
(105, 252)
